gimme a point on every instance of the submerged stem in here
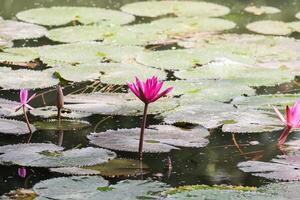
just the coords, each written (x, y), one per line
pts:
(142, 132)
(26, 119)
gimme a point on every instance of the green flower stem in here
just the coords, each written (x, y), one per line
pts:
(142, 132)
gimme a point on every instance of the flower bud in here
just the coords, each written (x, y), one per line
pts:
(59, 98)
(22, 172)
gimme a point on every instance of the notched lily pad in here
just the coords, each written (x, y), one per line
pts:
(51, 112)
(115, 104)
(66, 125)
(97, 188)
(159, 138)
(49, 155)
(56, 16)
(14, 127)
(179, 8)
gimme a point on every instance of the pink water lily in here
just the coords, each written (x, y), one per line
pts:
(147, 92)
(24, 100)
(22, 172)
(291, 120)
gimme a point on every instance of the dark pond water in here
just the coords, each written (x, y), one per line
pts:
(214, 164)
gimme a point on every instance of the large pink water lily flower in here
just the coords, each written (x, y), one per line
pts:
(24, 100)
(291, 120)
(148, 91)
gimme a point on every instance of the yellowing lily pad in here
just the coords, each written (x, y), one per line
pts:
(56, 16)
(179, 8)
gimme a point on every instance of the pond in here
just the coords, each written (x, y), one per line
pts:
(215, 133)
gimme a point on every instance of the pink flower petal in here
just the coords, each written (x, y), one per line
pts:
(162, 94)
(23, 96)
(32, 97)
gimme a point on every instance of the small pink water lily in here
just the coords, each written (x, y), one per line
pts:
(147, 92)
(24, 99)
(291, 120)
(22, 172)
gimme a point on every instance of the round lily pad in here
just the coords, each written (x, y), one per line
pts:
(15, 30)
(92, 187)
(5, 42)
(87, 52)
(179, 8)
(262, 10)
(64, 124)
(51, 112)
(159, 138)
(8, 108)
(75, 171)
(269, 27)
(22, 78)
(82, 33)
(120, 167)
(225, 69)
(56, 16)
(24, 54)
(13, 127)
(115, 104)
(49, 155)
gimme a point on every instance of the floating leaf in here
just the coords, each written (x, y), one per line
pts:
(86, 187)
(179, 8)
(87, 52)
(159, 138)
(14, 55)
(49, 155)
(120, 167)
(22, 78)
(270, 27)
(51, 112)
(19, 194)
(225, 69)
(8, 108)
(264, 51)
(74, 171)
(4, 43)
(55, 16)
(82, 33)
(262, 10)
(13, 127)
(115, 104)
(15, 30)
(65, 125)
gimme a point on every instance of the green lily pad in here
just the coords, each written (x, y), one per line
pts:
(265, 101)
(22, 78)
(56, 16)
(120, 167)
(49, 155)
(19, 194)
(82, 33)
(179, 8)
(208, 90)
(115, 104)
(13, 127)
(51, 112)
(65, 125)
(8, 108)
(262, 10)
(87, 52)
(159, 138)
(93, 187)
(24, 54)
(225, 69)
(269, 27)
(5, 43)
(75, 171)
(264, 51)
(14, 30)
